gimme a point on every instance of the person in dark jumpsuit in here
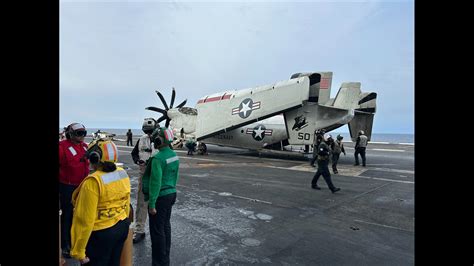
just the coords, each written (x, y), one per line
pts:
(323, 169)
(129, 137)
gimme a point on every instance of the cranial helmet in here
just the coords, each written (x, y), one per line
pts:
(75, 129)
(162, 134)
(327, 136)
(320, 132)
(102, 150)
(149, 124)
(361, 132)
(339, 137)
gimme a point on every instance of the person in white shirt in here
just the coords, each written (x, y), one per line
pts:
(141, 153)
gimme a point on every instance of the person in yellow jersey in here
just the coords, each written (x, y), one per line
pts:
(100, 223)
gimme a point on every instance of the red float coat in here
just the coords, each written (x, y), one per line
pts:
(73, 165)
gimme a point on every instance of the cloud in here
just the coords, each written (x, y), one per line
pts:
(124, 51)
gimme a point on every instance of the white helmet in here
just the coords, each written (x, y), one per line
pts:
(149, 124)
(75, 129)
(361, 132)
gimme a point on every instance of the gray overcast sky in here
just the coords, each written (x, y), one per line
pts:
(114, 55)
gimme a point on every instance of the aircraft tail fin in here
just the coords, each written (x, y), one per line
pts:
(348, 96)
(361, 121)
(363, 115)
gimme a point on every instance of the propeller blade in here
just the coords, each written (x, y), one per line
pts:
(161, 119)
(173, 94)
(156, 109)
(167, 122)
(162, 100)
(181, 104)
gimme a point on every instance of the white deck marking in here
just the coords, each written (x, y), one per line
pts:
(203, 159)
(346, 172)
(387, 150)
(121, 146)
(394, 150)
(226, 194)
(390, 180)
(383, 225)
(352, 172)
(393, 170)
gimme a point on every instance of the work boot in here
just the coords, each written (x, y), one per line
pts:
(335, 190)
(138, 237)
(356, 164)
(315, 187)
(335, 172)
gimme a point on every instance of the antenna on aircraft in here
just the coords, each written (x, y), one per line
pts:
(164, 112)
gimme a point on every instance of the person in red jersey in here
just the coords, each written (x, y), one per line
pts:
(73, 168)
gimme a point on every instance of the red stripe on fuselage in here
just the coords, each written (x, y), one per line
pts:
(213, 99)
(217, 98)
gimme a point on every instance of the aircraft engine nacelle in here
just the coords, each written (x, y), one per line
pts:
(183, 118)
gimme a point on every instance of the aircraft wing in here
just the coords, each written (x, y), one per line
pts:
(221, 112)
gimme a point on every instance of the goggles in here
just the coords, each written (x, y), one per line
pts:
(79, 133)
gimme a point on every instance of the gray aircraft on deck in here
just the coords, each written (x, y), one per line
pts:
(275, 115)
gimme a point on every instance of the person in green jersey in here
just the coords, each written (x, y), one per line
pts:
(159, 189)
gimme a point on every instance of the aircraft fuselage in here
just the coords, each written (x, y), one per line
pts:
(253, 136)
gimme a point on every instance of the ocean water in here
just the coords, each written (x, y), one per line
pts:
(383, 137)
(117, 131)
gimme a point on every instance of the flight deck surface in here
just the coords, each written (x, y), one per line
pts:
(236, 207)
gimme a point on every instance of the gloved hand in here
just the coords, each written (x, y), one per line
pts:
(84, 260)
(152, 211)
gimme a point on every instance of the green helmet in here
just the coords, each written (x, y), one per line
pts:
(165, 134)
(339, 137)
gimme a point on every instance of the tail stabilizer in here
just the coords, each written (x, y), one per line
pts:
(364, 115)
(367, 102)
(361, 121)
